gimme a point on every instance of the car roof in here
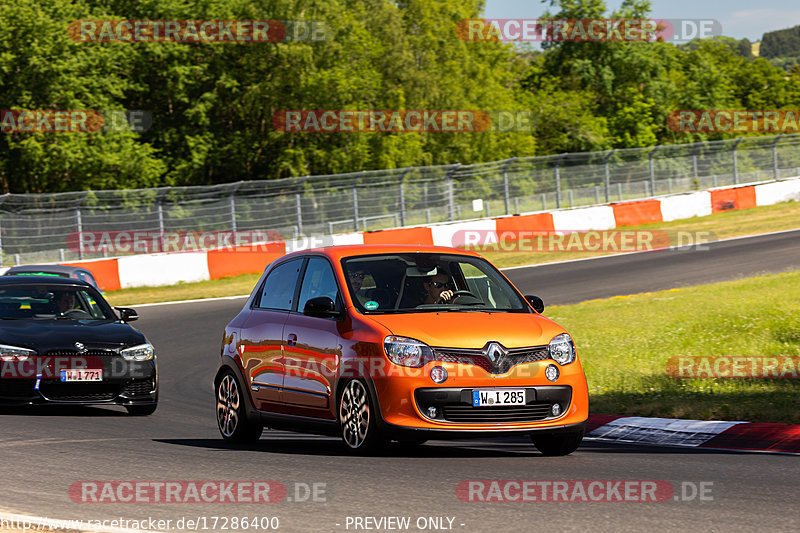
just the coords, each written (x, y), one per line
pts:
(34, 280)
(56, 269)
(353, 250)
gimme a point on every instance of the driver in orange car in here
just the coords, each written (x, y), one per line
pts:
(437, 289)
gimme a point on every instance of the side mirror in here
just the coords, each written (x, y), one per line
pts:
(126, 314)
(322, 307)
(536, 303)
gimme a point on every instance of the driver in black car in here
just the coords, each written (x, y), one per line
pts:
(65, 302)
(437, 289)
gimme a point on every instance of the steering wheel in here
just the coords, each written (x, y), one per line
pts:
(456, 294)
(76, 313)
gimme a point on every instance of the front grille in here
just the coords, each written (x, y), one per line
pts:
(501, 365)
(499, 414)
(78, 392)
(142, 387)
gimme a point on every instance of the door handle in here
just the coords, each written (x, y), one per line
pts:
(291, 340)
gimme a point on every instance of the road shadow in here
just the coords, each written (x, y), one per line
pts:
(333, 447)
(90, 411)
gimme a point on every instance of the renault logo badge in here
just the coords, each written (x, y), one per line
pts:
(494, 351)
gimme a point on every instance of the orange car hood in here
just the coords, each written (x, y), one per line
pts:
(471, 329)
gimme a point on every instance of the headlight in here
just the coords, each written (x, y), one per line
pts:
(407, 352)
(12, 353)
(562, 349)
(142, 352)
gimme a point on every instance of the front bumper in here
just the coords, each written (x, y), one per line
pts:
(403, 398)
(123, 383)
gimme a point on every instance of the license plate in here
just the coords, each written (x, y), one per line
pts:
(82, 375)
(481, 397)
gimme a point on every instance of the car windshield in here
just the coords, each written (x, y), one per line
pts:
(425, 282)
(37, 301)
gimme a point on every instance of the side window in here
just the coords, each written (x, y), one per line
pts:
(317, 281)
(278, 289)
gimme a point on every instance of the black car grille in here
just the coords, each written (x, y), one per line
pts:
(502, 364)
(79, 392)
(497, 415)
(142, 387)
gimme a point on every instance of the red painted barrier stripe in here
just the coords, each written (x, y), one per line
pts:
(758, 436)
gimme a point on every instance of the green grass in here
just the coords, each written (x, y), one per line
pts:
(232, 286)
(625, 342)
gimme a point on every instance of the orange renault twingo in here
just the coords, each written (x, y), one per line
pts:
(409, 343)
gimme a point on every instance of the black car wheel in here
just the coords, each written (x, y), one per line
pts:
(357, 419)
(231, 413)
(557, 445)
(141, 410)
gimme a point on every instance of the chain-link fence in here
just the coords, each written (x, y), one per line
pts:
(44, 227)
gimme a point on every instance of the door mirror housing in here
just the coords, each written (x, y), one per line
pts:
(126, 314)
(321, 307)
(536, 302)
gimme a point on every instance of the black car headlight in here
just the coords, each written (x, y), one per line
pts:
(14, 353)
(141, 352)
(562, 349)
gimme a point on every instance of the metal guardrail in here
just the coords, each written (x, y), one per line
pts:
(40, 227)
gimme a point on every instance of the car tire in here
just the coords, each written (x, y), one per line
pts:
(141, 410)
(232, 420)
(557, 445)
(357, 425)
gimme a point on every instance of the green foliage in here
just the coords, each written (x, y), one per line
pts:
(781, 43)
(213, 104)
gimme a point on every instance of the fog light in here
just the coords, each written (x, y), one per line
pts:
(551, 372)
(431, 412)
(556, 409)
(438, 374)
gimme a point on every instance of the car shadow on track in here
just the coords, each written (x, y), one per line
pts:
(310, 445)
(61, 410)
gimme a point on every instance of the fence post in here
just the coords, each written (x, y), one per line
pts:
(652, 170)
(506, 196)
(451, 206)
(695, 149)
(232, 203)
(79, 224)
(608, 175)
(403, 197)
(355, 203)
(735, 162)
(775, 156)
(298, 205)
(558, 182)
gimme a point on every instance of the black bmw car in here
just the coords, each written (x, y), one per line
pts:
(61, 342)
